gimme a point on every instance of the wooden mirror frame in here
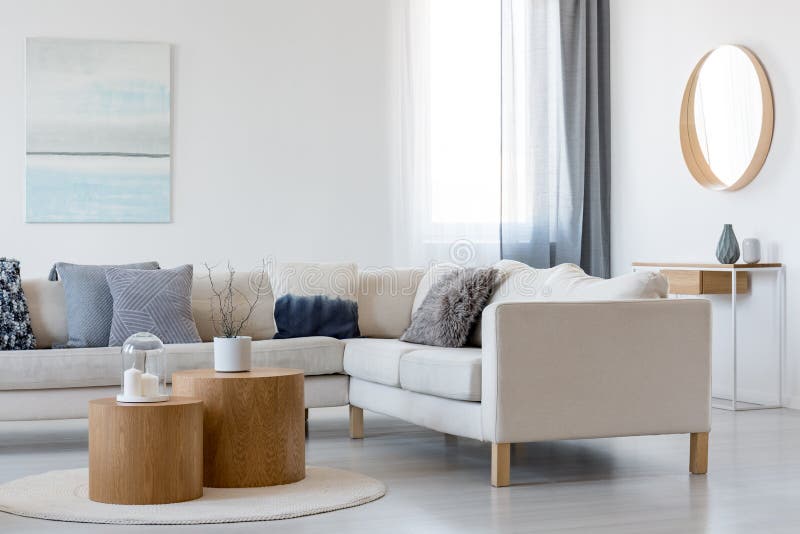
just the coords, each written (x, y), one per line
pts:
(690, 144)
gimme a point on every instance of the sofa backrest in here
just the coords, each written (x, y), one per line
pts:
(385, 298)
(48, 310)
(568, 281)
(247, 286)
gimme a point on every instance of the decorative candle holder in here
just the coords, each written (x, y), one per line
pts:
(751, 250)
(144, 369)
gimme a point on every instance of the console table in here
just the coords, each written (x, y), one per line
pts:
(729, 279)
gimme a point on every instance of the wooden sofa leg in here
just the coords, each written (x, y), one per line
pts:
(501, 464)
(698, 453)
(356, 422)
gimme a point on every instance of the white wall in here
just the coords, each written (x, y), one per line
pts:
(280, 139)
(659, 213)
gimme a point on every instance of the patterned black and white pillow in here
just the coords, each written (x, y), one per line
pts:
(15, 321)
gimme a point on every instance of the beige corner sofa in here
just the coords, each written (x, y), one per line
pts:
(562, 356)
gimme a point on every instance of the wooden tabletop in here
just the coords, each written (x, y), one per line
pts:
(173, 401)
(707, 265)
(258, 372)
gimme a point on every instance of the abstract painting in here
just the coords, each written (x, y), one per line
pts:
(98, 131)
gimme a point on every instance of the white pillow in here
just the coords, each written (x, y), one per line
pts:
(517, 282)
(569, 281)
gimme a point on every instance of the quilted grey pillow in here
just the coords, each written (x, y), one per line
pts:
(159, 302)
(451, 308)
(89, 302)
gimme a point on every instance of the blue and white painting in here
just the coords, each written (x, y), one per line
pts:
(98, 131)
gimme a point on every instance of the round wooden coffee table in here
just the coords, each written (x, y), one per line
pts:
(253, 427)
(145, 453)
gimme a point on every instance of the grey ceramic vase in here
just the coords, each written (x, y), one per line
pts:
(728, 247)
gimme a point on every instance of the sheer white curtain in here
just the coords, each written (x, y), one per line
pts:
(555, 133)
(447, 103)
(550, 98)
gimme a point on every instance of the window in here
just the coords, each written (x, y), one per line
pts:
(449, 123)
(465, 113)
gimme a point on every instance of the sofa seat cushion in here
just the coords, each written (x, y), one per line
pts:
(454, 373)
(101, 366)
(376, 360)
(313, 355)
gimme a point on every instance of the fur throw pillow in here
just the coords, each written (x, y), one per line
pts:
(451, 308)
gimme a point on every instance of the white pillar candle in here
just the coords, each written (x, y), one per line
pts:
(132, 383)
(149, 385)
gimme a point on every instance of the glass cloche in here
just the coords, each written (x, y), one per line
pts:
(144, 369)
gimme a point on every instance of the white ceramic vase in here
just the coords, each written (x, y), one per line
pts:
(232, 354)
(751, 250)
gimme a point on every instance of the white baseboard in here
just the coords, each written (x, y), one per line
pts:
(747, 395)
(792, 402)
(758, 397)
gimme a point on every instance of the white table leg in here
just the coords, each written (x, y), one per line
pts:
(781, 298)
(733, 334)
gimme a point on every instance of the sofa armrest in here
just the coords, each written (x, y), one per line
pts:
(585, 369)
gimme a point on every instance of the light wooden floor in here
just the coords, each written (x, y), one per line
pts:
(623, 485)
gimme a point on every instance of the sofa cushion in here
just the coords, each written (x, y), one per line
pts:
(101, 366)
(48, 310)
(314, 355)
(517, 282)
(376, 360)
(450, 373)
(568, 281)
(385, 299)
(247, 286)
(89, 302)
(335, 280)
(431, 277)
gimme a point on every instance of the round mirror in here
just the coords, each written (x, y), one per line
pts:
(726, 118)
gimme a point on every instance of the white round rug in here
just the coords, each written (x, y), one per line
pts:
(64, 496)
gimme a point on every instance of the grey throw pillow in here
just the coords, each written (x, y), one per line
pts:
(159, 302)
(89, 303)
(452, 308)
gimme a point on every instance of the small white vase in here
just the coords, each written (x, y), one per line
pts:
(232, 354)
(751, 250)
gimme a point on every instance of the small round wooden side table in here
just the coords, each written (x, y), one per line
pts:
(145, 453)
(254, 425)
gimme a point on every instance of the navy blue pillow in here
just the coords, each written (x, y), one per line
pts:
(316, 315)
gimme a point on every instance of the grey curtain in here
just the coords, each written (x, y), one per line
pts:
(555, 153)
